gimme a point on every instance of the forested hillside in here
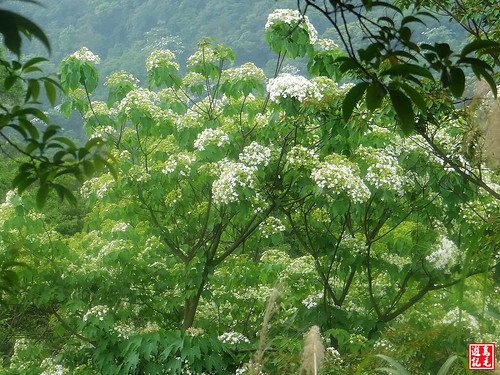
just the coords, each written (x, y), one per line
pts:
(123, 33)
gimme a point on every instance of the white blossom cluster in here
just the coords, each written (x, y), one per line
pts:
(275, 256)
(150, 327)
(119, 227)
(326, 85)
(383, 170)
(233, 338)
(161, 58)
(456, 315)
(245, 72)
(195, 331)
(271, 226)
(255, 154)
(139, 98)
(20, 346)
(396, 260)
(326, 45)
(341, 176)
(121, 77)
(383, 344)
(292, 86)
(292, 18)
(12, 199)
(50, 367)
(124, 330)
(233, 175)
(475, 212)
(112, 246)
(300, 156)
(250, 368)
(103, 132)
(300, 266)
(34, 215)
(212, 137)
(98, 312)
(97, 185)
(99, 108)
(334, 356)
(181, 162)
(204, 56)
(356, 244)
(191, 119)
(85, 55)
(193, 79)
(311, 301)
(445, 254)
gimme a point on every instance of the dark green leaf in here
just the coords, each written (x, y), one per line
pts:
(33, 61)
(407, 69)
(374, 95)
(41, 195)
(404, 110)
(352, 98)
(409, 19)
(479, 44)
(457, 81)
(415, 96)
(50, 90)
(9, 81)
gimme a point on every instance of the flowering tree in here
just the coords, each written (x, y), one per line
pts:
(229, 183)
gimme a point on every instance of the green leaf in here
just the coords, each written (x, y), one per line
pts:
(415, 96)
(409, 19)
(479, 44)
(12, 24)
(457, 81)
(9, 81)
(374, 95)
(64, 192)
(407, 69)
(50, 90)
(402, 106)
(352, 98)
(33, 61)
(396, 366)
(41, 195)
(447, 365)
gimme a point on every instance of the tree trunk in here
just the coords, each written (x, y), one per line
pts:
(191, 304)
(190, 307)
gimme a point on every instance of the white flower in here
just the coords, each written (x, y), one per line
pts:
(98, 312)
(120, 227)
(181, 162)
(232, 176)
(291, 86)
(383, 170)
(103, 132)
(233, 338)
(326, 45)
(213, 137)
(340, 176)
(124, 330)
(121, 77)
(255, 154)
(85, 55)
(445, 254)
(161, 58)
(300, 156)
(272, 225)
(292, 18)
(456, 315)
(244, 73)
